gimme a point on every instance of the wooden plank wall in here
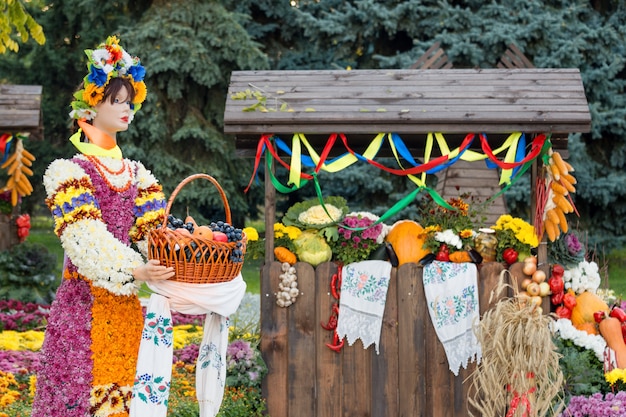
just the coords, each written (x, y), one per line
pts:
(409, 378)
(20, 108)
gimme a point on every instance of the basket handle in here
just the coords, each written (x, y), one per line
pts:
(186, 181)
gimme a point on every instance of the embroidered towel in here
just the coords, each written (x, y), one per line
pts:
(451, 292)
(154, 364)
(362, 302)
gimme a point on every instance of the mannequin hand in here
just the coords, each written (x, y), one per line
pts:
(153, 271)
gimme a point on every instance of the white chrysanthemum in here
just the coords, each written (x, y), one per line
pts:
(584, 277)
(144, 176)
(60, 171)
(449, 238)
(98, 255)
(317, 215)
(594, 342)
(126, 62)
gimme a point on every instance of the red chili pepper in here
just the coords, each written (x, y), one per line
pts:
(598, 316)
(557, 298)
(618, 313)
(563, 312)
(337, 344)
(556, 284)
(510, 256)
(332, 323)
(569, 300)
(333, 286)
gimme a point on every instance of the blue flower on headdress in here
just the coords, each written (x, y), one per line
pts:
(97, 76)
(137, 72)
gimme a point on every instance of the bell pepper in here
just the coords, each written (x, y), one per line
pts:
(618, 313)
(443, 254)
(557, 298)
(569, 300)
(510, 256)
(563, 312)
(598, 316)
(557, 271)
(556, 284)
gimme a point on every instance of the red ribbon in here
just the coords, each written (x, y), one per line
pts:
(534, 151)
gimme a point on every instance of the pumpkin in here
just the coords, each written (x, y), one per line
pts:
(587, 303)
(283, 255)
(407, 239)
(611, 330)
(590, 328)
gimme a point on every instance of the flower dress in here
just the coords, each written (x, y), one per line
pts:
(100, 206)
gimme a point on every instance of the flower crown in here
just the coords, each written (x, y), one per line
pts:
(108, 61)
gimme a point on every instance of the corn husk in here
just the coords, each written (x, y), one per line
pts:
(519, 374)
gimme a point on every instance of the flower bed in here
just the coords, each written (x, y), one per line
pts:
(19, 348)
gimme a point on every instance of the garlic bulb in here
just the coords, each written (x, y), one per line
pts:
(288, 286)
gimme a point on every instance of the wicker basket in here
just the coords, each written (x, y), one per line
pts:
(195, 259)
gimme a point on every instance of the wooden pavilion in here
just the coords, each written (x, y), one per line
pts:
(20, 112)
(410, 376)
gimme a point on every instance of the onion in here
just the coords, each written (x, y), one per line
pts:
(529, 268)
(539, 276)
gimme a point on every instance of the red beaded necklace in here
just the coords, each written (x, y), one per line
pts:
(100, 166)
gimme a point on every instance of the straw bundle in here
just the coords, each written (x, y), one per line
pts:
(519, 374)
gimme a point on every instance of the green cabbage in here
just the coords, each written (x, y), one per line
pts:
(312, 248)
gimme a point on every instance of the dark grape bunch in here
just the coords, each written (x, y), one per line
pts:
(234, 235)
(174, 222)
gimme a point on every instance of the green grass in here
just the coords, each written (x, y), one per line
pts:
(616, 262)
(41, 232)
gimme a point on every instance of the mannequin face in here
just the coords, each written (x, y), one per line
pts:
(114, 117)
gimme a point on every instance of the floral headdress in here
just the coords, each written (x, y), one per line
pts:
(108, 61)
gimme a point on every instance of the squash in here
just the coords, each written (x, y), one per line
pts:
(611, 330)
(283, 255)
(407, 239)
(460, 256)
(587, 303)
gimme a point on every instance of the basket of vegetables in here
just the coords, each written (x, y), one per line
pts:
(200, 254)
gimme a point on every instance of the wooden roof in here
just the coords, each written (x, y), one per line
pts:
(20, 109)
(410, 102)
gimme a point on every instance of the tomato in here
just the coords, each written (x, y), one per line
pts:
(557, 298)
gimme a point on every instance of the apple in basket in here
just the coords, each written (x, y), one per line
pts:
(220, 237)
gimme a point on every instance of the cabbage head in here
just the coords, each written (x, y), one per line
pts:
(312, 248)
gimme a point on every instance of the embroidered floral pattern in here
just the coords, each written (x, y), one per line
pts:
(451, 310)
(158, 329)
(365, 286)
(209, 355)
(152, 389)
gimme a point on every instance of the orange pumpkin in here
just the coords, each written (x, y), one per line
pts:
(587, 303)
(590, 328)
(407, 239)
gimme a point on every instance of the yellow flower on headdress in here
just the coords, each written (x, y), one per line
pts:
(93, 94)
(140, 92)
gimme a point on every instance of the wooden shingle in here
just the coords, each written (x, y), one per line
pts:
(360, 103)
(20, 109)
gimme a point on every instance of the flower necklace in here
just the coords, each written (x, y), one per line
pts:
(101, 168)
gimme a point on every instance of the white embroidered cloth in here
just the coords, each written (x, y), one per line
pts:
(154, 365)
(362, 302)
(451, 291)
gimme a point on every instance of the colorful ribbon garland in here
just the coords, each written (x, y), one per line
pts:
(515, 162)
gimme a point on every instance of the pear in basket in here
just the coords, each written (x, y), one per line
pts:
(204, 232)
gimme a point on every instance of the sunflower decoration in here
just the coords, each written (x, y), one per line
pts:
(104, 63)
